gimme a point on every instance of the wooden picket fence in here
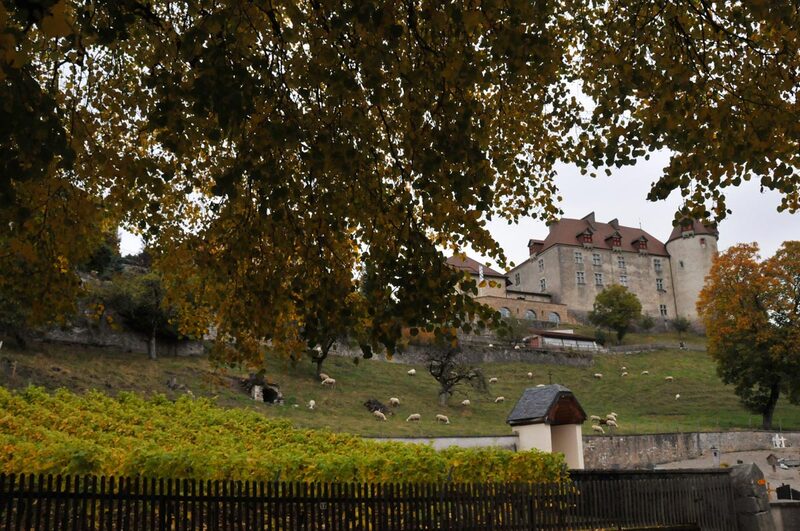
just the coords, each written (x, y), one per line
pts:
(593, 500)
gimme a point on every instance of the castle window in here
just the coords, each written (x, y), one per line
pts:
(623, 279)
(660, 284)
(541, 264)
(621, 262)
(516, 279)
(598, 279)
(680, 262)
(505, 312)
(586, 237)
(580, 278)
(596, 260)
(542, 285)
(642, 244)
(703, 243)
(578, 257)
(616, 241)
(657, 264)
(663, 309)
(530, 315)
(553, 317)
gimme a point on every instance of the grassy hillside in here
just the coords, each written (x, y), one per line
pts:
(644, 403)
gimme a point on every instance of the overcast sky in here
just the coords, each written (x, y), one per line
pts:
(623, 195)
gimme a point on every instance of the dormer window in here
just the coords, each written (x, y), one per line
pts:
(616, 241)
(642, 245)
(586, 237)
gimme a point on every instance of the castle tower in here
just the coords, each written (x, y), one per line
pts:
(692, 247)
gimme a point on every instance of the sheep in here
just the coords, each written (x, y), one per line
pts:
(329, 381)
(493, 380)
(611, 416)
(677, 396)
(490, 345)
(594, 418)
(530, 375)
(595, 427)
(442, 418)
(412, 372)
(312, 404)
(598, 375)
(615, 415)
(624, 374)
(414, 417)
(499, 399)
(623, 368)
(465, 403)
(668, 378)
(323, 376)
(379, 415)
(394, 402)
(516, 347)
(612, 423)
(645, 373)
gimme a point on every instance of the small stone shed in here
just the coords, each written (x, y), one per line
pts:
(549, 419)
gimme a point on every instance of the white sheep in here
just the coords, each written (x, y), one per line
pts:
(677, 396)
(323, 376)
(595, 427)
(499, 399)
(623, 368)
(516, 347)
(465, 403)
(645, 373)
(612, 423)
(414, 417)
(394, 402)
(379, 415)
(312, 404)
(412, 372)
(329, 381)
(442, 418)
(668, 378)
(624, 374)
(598, 375)
(490, 345)
(492, 380)
(615, 415)
(611, 416)
(594, 418)
(530, 375)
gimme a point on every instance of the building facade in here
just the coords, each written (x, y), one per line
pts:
(581, 257)
(495, 290)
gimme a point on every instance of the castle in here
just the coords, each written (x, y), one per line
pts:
(560, 279)
(581, 257)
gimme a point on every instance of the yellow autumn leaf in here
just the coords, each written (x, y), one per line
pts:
(56, 23)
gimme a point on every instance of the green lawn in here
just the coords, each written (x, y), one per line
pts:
(644, 403)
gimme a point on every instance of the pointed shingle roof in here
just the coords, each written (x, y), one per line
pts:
(539, 405)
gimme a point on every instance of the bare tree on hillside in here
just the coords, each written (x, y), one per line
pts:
(447, 368)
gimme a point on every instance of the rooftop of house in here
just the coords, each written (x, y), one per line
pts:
(551, 404)
(693, 226)
(568, 231)
(472, 266)
(556, 334)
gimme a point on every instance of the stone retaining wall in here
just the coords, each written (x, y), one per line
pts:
(640, 451)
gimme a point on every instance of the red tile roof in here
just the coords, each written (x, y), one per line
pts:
(473, 266)
(566, 231)
(697, 227)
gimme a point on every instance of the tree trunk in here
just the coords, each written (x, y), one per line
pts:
(444, 394)
(774, 393)
(318, 362)
(151, 345)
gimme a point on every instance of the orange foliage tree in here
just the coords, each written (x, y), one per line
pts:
(751, 310)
